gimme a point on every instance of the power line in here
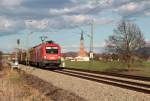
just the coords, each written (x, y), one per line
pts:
(43, 38)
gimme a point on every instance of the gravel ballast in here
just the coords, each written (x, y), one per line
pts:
(49, 90)
(89, 90)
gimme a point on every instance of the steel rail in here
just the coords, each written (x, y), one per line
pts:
(134, 77)
(140, 87)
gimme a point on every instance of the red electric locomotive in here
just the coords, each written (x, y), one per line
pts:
(48, 53)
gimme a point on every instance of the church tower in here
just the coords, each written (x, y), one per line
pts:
(82, 52)
(82, 55)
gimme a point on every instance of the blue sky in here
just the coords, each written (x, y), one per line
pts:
(62, 21)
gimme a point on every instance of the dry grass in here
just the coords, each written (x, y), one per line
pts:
(12, 88)
(20, 86)
(49, 90)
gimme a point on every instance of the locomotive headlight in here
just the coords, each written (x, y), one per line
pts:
(45, 57)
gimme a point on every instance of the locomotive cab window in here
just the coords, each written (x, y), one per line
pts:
(52, 50)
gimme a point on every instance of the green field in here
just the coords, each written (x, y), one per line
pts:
(142, 69)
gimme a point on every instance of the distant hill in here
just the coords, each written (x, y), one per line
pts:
(75, 54)
(70, 54)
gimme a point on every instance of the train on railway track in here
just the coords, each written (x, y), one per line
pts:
(42, 55)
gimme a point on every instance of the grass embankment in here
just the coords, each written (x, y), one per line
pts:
(22, 86)
(12, 88)
(141, 69)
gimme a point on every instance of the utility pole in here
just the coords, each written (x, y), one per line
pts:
(27, 51)
(17, 52)
(91, 42)
(17, 49)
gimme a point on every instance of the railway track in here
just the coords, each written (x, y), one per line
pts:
(113, 74)
(136, 83)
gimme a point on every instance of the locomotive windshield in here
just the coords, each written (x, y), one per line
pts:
(52, 50)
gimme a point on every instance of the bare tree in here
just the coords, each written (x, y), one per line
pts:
(127, 38)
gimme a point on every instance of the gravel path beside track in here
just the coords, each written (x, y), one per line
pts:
(91, 91)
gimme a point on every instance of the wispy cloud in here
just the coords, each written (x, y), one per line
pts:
(10, 3)
(77, 9)
(133, 8)
(61, 14)
(147, 13)
(37, 24)
(8, 25)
